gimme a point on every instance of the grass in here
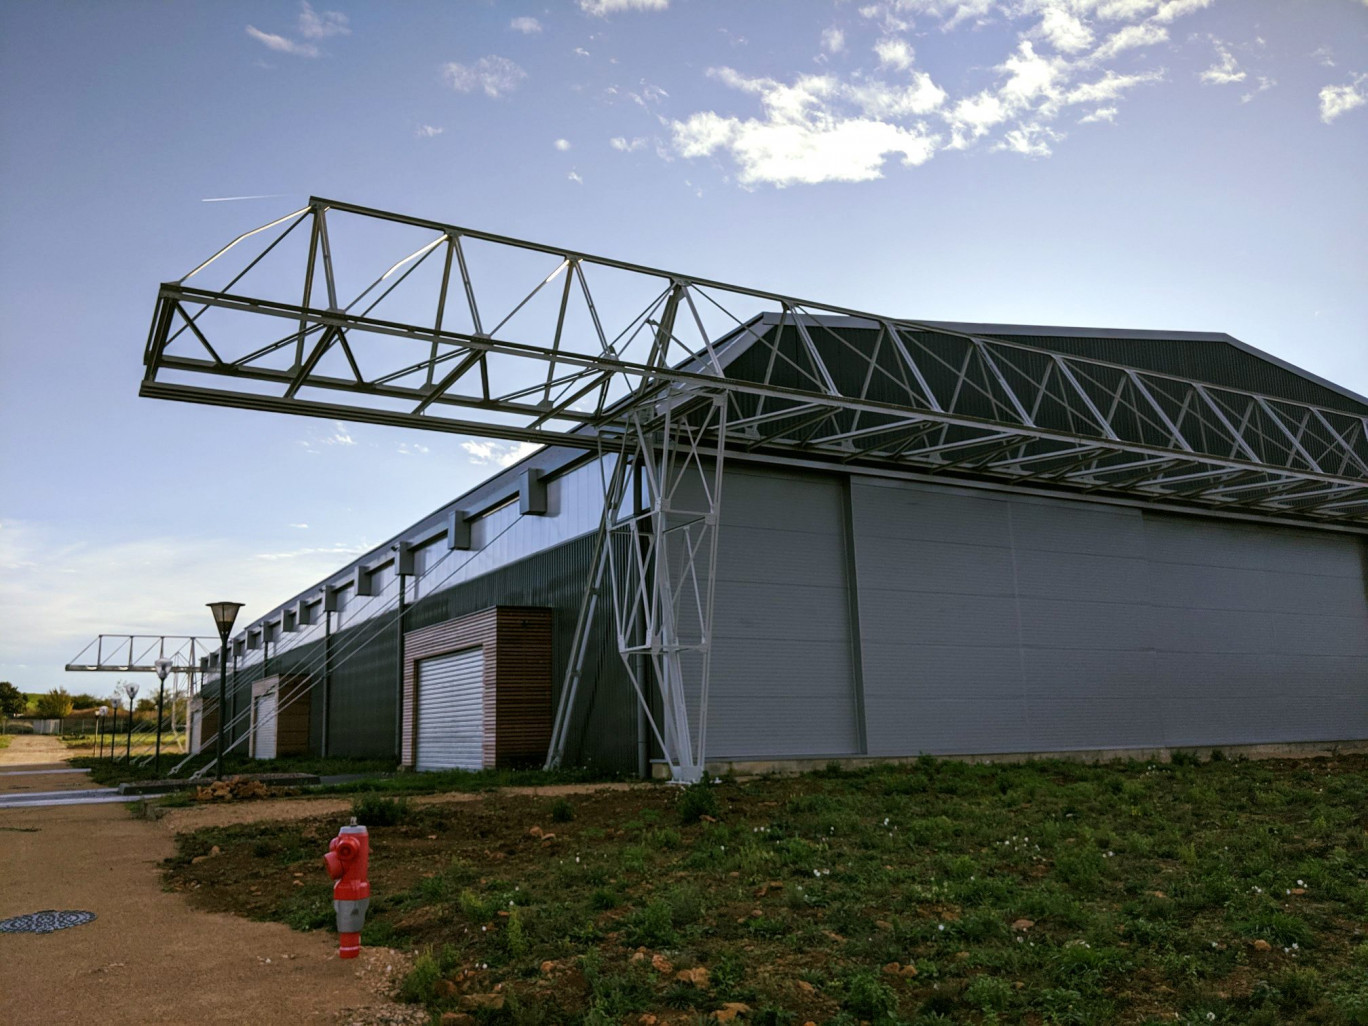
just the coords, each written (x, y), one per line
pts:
(4, 741)
(1045, 893)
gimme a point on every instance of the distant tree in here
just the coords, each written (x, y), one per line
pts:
(12, 700)
(85, 701)
(55, 705)
(147, 705)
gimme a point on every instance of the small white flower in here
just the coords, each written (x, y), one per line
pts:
(1211, 1016)
(1301, 883)
(940, 926)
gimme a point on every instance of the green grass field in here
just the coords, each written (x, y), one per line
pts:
(1043, 893)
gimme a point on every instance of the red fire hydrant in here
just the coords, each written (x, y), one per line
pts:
(347, 860)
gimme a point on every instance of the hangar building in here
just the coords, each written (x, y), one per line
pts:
(761, 530)
(859, 613)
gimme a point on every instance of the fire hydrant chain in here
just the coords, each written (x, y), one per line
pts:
(347, 863)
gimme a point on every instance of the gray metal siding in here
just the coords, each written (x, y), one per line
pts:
(450, 711)
(782, 674)
(1261, 633)
(1000, 623)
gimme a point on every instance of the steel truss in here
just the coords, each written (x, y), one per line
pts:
(671, 371)
(138, 653)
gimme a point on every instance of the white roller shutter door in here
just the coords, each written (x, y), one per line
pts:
(196, 722)
(264, 714)
(451, 711)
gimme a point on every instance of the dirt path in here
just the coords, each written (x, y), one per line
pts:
(149, 958)
(179, 821)
(32, 750)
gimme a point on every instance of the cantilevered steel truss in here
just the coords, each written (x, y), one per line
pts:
(138, 653)
(462, 331)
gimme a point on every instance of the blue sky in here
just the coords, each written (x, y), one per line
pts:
(1182, 164)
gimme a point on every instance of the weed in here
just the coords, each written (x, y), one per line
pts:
(989, 994)
(562, 811)
(652, 926)
(374, 811)
(696, 801)
(867, 996)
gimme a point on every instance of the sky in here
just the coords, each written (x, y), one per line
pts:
(1169, 164)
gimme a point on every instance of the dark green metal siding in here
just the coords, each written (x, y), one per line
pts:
(603, 726)
(366, 666)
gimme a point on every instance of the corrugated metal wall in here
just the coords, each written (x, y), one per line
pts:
(1001, 623)
(782, 678)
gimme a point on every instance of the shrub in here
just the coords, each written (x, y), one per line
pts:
(696, 801)
(372, 810)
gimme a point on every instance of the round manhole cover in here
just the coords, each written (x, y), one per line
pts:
(46, 921)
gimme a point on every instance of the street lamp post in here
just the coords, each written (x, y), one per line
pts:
(163, 668)
(114, 730)
(224, 615)
(131, 690)
(99, 730)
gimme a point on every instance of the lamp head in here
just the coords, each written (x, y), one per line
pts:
(225, 613)
(163, 667)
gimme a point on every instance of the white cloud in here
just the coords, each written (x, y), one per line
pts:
(495, 76)
(801, 140)
(1062, 29)
(527, 26)
(1336, 101)
(575, 177)
(950, 13)
(1109, 87)
(1225, 71)
(503, 454)
(626, 145)
(1099, 115)
(412, 449)
(280, 44)
(301, 527)
(1264, 85)
(428, 131)
(846, 126)
(562, 144)
(894, 53)
(1029, 140)
(975, 115)
(315, 25)
(603, 8)
(319, 550)
(882, 100)
(1030, 75)
(1130, 38)
(833, 40)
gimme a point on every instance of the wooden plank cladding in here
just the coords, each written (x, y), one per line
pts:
(516, 646)
(293, 694)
